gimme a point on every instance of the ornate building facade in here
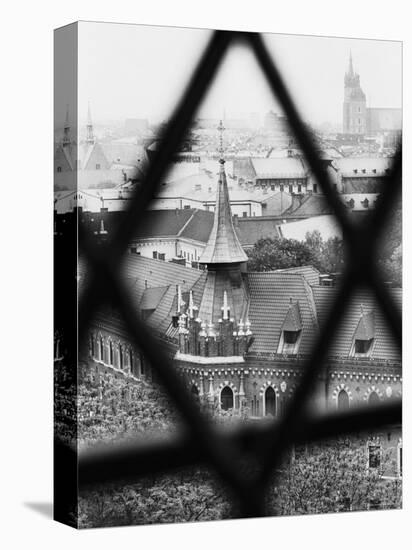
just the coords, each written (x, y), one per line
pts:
(240, 340)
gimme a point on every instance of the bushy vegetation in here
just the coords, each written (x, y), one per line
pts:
(114, 409)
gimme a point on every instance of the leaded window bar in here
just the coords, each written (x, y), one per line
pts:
(262, 444)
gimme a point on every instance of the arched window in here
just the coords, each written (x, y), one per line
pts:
(101, 349)
(373, 398)
(131, 361)
(226, 398)
(343, 401)
(120, 357)
(110, 353)
(91, 345)
(270, 401)
(195, 392)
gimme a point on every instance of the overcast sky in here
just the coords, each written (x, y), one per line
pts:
(138, 71)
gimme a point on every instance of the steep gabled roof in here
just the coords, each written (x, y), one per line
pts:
(293, 320)
(384, 347)
(366, 326)
(270, 293)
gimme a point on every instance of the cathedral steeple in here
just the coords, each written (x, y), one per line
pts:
(351, 72)
(89, 128)
(223, 246)
(66, 130)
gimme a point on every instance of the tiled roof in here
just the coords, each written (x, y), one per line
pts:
(250, 230)
(384, 346)
(199, 226)
(311, 205)
(270, 294)
(151, 297)
(373, 185)
(164, 223)
(278, 167)
(310, 273)
(139, 272)
(347, 165)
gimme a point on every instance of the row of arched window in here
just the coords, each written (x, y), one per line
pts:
(272, 404)
(113, 353)
(343, 399)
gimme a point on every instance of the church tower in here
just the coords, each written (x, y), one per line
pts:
(214, 328)
(354, 103)
(89, 128)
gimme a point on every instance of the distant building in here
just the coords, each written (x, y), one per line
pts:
(241, 340)
(91, 164)
(358, 119)
(354, 103)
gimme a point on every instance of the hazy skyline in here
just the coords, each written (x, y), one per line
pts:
(130, 71)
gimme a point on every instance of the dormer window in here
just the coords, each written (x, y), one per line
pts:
(364, 336)
(362, 347)
(291, 330)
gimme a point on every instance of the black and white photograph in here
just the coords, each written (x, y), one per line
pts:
(239, 276)
(205, 280)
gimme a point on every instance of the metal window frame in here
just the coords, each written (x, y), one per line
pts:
(203, 444)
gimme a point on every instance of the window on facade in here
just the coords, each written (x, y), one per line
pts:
(373, 398)
(59, 168)
(290, 188)
(375, 504)
(155, 254)
(255, 406)
(111, 353)
(374, 458)
(299, 451)
(121, 357)
(194, 391)
(299, 188)
(281, 187)
(290, 339)
(270, 402)
(400, 459)
(362, 347)
(161, 256)
(244, 214)
(343, 401)
(315, 187)
(226, 398)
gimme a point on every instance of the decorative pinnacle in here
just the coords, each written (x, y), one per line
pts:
(221, 129)
(225, 308)
(179, 299)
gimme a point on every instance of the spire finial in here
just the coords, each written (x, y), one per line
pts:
(351, 71)
(221, 129)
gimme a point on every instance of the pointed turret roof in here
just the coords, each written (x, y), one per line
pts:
(223, 246)
(89, 127)
(351, 72)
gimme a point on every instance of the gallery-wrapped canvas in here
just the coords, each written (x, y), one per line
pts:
(228, 275)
